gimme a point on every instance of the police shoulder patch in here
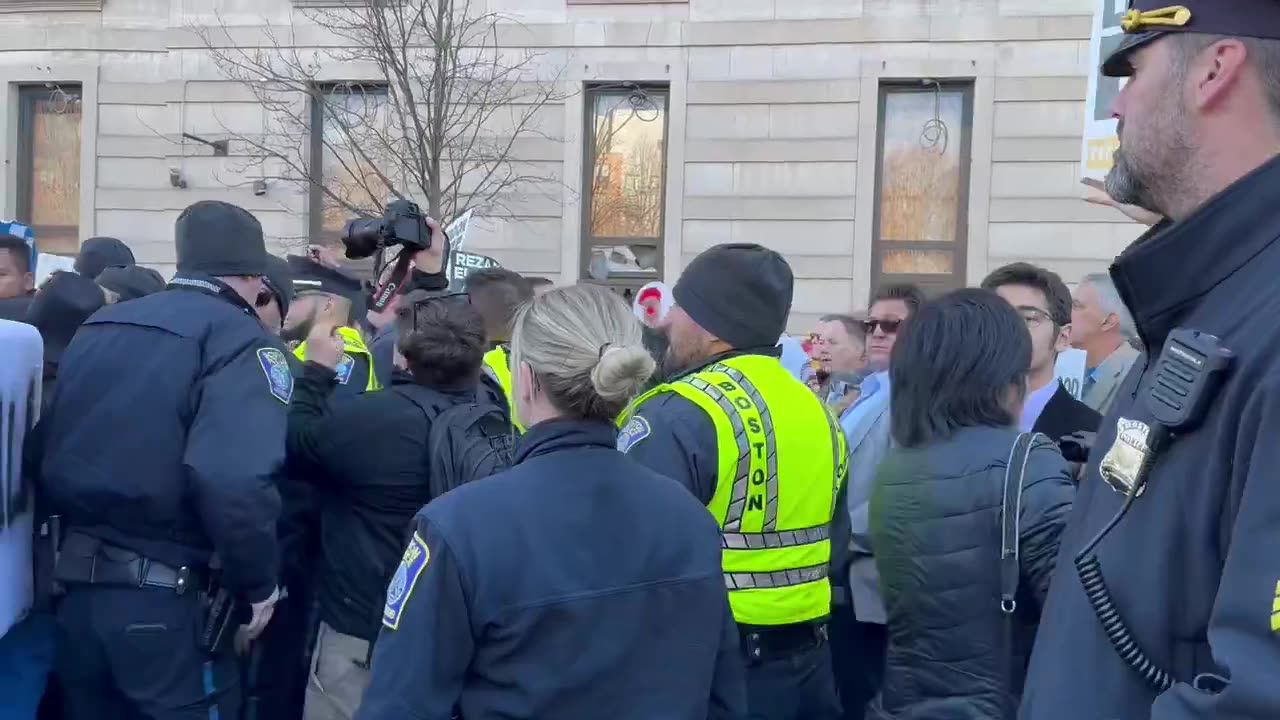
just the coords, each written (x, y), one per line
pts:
(345, 366)
(279, 376)
(412, 564)
(633, 432)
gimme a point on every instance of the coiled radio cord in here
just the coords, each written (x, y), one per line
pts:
(1095, 585)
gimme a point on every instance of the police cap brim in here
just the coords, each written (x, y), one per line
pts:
(1117, 63)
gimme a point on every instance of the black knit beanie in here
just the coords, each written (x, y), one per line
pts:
(741, 293)
(99, 253)
(219, 239)
(131, 283)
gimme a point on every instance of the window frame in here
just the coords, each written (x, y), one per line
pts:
(586, 239)
(315, 159)
(28, 95)
(960, 244)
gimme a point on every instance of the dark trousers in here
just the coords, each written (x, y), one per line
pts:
(276, 671)
(796, 686)
(134, 653)
(857, 654)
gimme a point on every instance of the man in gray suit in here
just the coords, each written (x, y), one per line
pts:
(858, 637)
(1102, 327)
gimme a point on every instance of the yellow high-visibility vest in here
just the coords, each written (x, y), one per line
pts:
(353, 344)
(782, 458)
(498, 363)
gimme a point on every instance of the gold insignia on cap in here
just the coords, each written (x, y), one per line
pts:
(1141, 20)
(1123, 464)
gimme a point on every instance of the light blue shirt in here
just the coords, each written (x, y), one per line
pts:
(794, 358)
(1034, 405)
(871, 384)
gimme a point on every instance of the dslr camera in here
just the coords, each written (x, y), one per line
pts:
(401, 224)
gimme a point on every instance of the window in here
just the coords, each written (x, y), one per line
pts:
(624, 181)
(349, 137)
(922, 184)
(49, 165)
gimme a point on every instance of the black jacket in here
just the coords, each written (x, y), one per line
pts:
(577, 585)
(1064, 415)
(935, 527)
(367, 456)
(1193, 567)
(166, 432)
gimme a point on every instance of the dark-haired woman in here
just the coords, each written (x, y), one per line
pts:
(958, 374)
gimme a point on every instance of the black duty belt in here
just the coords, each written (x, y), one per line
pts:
(86, 560)
(769, 643)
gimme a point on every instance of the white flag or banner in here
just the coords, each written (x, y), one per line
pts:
(1100, 140)
(20, 375)
(457, 231)
(47, 265)
(1070, 371)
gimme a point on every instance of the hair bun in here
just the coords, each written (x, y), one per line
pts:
(622, 372)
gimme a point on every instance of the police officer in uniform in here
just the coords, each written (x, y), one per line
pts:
(159, 451)
(762, 452)
(325, 295)
(498, 293)
(1188, 580)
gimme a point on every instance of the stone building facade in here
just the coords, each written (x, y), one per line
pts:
(865, 139)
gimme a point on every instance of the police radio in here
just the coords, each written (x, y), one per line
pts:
(1188, 374)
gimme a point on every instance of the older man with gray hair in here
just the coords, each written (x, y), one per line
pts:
(1102, 326)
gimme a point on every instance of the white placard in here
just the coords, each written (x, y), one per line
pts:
(458, 230)
(47, 265)
(20, 375)
(1100, 140)
(1070, 370)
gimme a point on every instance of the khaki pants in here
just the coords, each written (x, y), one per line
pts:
(339, 676)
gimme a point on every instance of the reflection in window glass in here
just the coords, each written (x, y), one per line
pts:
(354, 118)
(628, 166)
(51, 139)
(920, 165)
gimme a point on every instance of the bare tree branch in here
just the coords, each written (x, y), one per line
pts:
(436, 116)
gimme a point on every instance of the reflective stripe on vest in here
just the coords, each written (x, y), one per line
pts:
(498, 363)
(780, 464)
(352, 344)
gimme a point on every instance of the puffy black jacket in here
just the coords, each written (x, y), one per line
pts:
(935, 531)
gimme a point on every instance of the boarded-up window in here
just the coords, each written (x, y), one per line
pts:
(625, 176)
(49, 166)
(922, 178)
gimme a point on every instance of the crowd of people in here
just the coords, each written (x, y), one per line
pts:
(257, 497)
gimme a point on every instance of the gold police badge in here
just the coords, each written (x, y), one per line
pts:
(1123, 465)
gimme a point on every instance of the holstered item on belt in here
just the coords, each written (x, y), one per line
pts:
(44, 560)
(86, 560)
(766, 644)
(223, 615)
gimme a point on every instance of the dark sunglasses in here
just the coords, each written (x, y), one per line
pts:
(460, 298)
(889, 326)
(264, 298)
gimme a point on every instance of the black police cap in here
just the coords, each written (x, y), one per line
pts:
(1149, 20)
(312, 276)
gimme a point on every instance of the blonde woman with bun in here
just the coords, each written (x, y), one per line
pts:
(576, 585)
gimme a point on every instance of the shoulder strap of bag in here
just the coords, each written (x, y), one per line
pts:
(1014, 478)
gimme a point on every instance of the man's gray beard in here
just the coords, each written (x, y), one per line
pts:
(1125, 187)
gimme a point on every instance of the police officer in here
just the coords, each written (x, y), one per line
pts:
(599, 592)
(159, 449)
(761, 451)
(498, 293)
(325, 295)
(1187, 581)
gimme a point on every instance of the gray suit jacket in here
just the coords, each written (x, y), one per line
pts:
(869, 441)
(1108, 377)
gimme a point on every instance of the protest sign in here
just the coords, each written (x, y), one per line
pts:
(1070, 370)
(47, 265)
(457, 231)
(462, 264)
(1100, 139)
(20, 375)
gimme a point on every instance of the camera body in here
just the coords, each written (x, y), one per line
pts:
(402, 223)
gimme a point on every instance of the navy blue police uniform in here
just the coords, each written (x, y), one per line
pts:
(1191, 570)
(159, 452)
(598, 594)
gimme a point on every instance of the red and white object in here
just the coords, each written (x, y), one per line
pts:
(653, 302)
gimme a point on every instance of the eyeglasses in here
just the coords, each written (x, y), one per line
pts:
(459, 298)
(889, 325)
(1033, 316)
(264, 298)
